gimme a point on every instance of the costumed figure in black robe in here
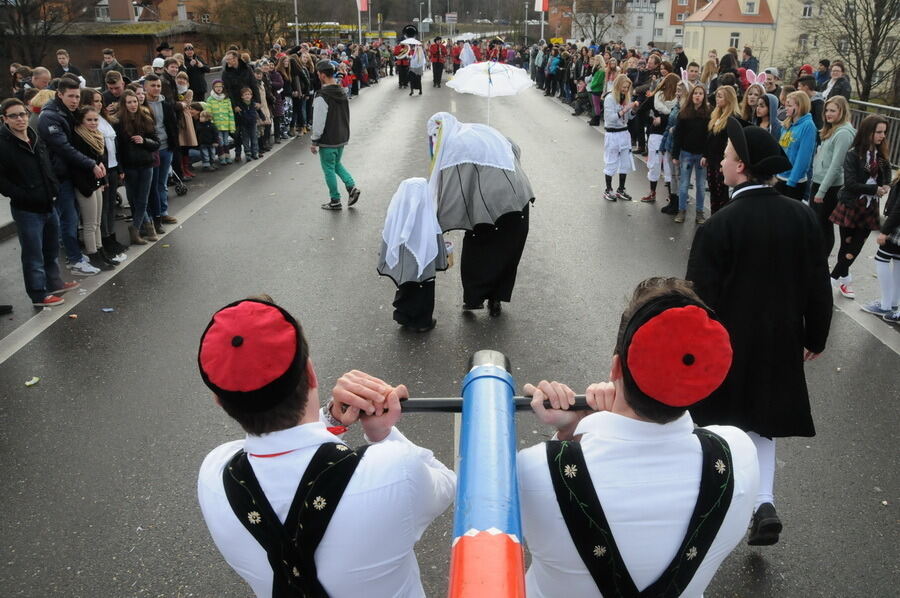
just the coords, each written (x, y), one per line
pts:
(478, 185)
(412, 250)
(762, 237)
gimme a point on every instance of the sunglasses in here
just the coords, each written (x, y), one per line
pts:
(17, 115)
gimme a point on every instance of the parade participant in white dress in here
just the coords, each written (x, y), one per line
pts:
(618, 109)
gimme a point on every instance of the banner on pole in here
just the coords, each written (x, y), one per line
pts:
(362, 5)
(539, 5)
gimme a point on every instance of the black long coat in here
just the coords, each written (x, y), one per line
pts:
(758, 263)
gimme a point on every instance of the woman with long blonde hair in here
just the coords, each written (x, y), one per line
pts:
(726, 106)
(798, 139)
(751, 100)
(828, 164)
(612, 71)
(618, 109)
(710, 69)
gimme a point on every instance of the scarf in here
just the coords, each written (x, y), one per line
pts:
(93, 138)
(872, 164)
(217, 96)
(182, 88)
(412, 222)
(663, 106)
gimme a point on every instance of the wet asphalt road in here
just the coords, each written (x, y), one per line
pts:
(100, 458)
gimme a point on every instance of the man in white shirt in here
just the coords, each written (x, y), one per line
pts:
(353, 516)
(634, 498)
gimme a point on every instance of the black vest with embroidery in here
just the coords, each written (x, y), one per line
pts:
(291, 547)
(593, 538)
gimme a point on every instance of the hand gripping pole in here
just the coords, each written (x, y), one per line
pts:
(487, 558)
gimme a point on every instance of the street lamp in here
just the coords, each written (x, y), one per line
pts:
(420, 13)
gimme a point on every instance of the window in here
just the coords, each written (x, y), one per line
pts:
(843, 46)
(137, 11)
(205, 18)
(815, 41)
(751, 8)
(682, 3)
(657, 32)
(807, 10)
(101, 13)
(803, 41)
(734, 40)
(637, 41)
(660, 16)
(678, 32)
(679, 16)
(640, 21)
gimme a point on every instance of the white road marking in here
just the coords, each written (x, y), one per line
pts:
(28, 331)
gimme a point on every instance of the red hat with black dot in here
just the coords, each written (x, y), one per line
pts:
(252, 355)
(676, 350)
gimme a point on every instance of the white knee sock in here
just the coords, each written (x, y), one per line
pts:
(895, 267)
(886, 282)
(765, 454)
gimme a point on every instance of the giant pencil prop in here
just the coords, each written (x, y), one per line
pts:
(487, 558)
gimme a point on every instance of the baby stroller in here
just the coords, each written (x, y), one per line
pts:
(175, 180)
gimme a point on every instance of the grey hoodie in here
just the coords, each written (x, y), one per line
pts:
(774, 124)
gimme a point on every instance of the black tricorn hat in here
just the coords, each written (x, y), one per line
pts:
(164, 46)
(757, 149)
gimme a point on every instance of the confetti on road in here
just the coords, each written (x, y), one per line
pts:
(34, 380)
(73, 316)
(107, 310)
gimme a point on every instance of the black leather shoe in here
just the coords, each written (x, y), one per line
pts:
(427, 328)
(473, 306)
(765, 526)
(494, 307)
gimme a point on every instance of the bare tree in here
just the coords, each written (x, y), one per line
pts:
(866, 35)
(26, 26)
(596, 19)
(255, 23)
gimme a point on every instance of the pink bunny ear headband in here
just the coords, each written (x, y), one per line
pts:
(754, 78)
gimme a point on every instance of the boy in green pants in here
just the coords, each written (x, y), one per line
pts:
(330, 133)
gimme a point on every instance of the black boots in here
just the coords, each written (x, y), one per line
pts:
(672, 206)
(765, 527)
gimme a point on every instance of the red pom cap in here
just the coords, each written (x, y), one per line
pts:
(680, 356)
(248, 354)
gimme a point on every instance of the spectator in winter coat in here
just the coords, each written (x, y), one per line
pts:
(110, 63)
(838, 84)
(748, 60)
(27, 178)
(223, 118)
(56, 127)
(236, 76)
(807, 84)
(208, 139)
(64, 66)
(196, 70)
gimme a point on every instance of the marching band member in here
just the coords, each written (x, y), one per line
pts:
(437, 53)
(401, 61)
(634, 500)
(286, 504)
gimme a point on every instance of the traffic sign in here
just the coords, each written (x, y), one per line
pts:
(450, 17)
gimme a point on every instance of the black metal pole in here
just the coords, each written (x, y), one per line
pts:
(454, 404)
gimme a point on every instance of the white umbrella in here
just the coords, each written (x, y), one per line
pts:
(490, 79)
(411, 41)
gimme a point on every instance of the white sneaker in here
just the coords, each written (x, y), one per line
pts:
(119, 258)
(84, 268)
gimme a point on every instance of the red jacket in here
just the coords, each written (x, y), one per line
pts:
(477, 51)
(397, 50)
(454, 53)
(437, 52)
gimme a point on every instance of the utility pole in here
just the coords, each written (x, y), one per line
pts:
(296, 25)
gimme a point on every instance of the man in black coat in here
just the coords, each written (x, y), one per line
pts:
(680, 60)
(56, 127)
(27, 178)
(237, 75)
(196, 70)
(761, 238)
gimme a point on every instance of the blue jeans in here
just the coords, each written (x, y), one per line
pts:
(67, 213)
(137, 187)
(207, 154)
(159, 190)
(689, 161)
(250, 140)
(39, 240)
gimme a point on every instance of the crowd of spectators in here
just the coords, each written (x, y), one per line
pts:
(69, 148)
(675, 112)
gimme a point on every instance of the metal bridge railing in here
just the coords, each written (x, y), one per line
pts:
(859, 110)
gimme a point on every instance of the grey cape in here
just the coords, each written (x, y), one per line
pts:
(407, 268)
(471, 194)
